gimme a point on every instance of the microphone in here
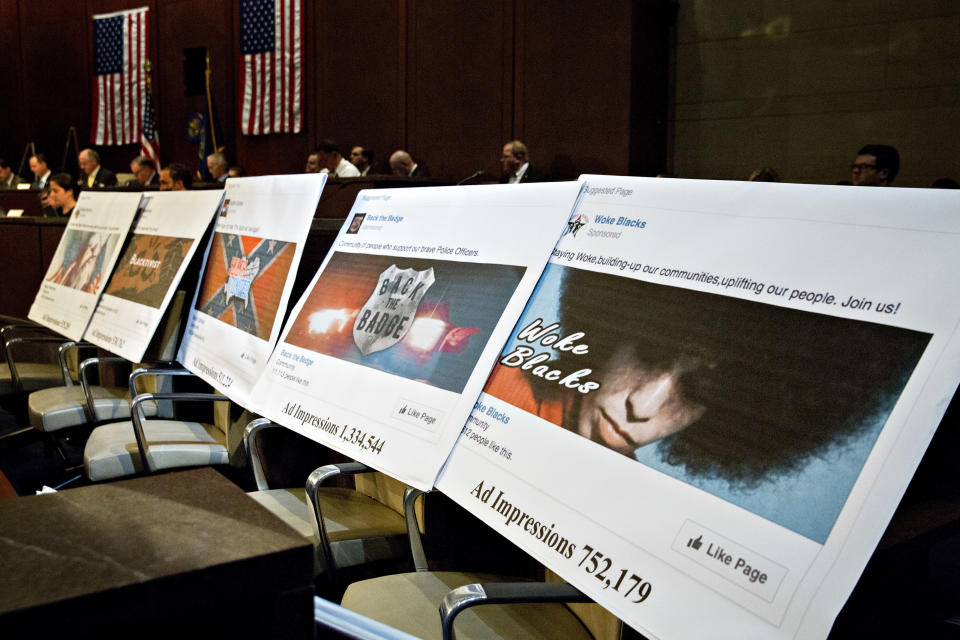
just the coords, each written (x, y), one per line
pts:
(476, 174)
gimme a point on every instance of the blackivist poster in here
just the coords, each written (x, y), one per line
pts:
(164, 239)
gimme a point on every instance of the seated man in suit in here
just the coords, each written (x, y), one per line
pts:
(401, 164)
(218, 166)
(41, 172)
(516, 166)
(8, 179)
(362, 159)
(92, 175)
(144, 173)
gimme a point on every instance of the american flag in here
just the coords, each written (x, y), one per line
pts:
(149, 142)
(272, 73)
(119, 84)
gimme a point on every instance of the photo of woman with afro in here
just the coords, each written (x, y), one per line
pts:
(722, 388)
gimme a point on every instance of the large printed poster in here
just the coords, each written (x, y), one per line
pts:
(163, 241)
(734, 385)
(389, 346)
(83, 261)
(249, 270)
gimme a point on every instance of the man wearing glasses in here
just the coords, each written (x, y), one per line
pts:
(876, 166)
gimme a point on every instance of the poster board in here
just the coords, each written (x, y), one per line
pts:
(386, 352)
(160, 247)
(734, 383)
(84, 260)
(248, 272)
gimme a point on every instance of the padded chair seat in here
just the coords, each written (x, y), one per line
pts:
(33, 376)
(411, 601)
(62, 407)
(290, 505)
(360, 529)
(111, 450)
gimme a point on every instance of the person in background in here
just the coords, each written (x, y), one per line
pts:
(41, 173)
(144, 173)
(876, 166)
(92, 175)
(328, 159)
(362, 159)
(945, 183)
(516, 165)
(764, 174)
(62, 197)
(217, 166)
(402, 164)
(175, 177)
(313, 163)
(8, 179)
(236, 171)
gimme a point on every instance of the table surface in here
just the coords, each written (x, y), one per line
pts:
(145, 531)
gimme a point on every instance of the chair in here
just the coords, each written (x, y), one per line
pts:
(62, 407)
(410, 602)
(28, 350)
(143, 445)
(350, 528)
(28, 366)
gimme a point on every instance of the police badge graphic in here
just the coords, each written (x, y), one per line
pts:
(387, 315)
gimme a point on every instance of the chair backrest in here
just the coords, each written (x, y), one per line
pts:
(72, 358)
(31, 351)
(601, 624)
(163, 348)
(287, 458)
(232, 420)
(382, 488)
(167, 336)
(386, 490)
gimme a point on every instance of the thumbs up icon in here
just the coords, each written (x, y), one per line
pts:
(696, 543)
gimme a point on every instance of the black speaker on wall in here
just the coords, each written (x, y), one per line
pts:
(194, 66)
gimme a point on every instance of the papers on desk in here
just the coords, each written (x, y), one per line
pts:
(384, 355)
(713, 403)
(163, 242)
(250, 266)
(83, 261)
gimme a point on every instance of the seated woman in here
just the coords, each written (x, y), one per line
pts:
(62, 196)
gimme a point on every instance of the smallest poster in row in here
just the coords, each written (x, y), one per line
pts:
(84, 260)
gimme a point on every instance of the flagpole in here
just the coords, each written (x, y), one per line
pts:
(153, 143)
(213, 129)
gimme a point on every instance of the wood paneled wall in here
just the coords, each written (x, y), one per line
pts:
(448, 81)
